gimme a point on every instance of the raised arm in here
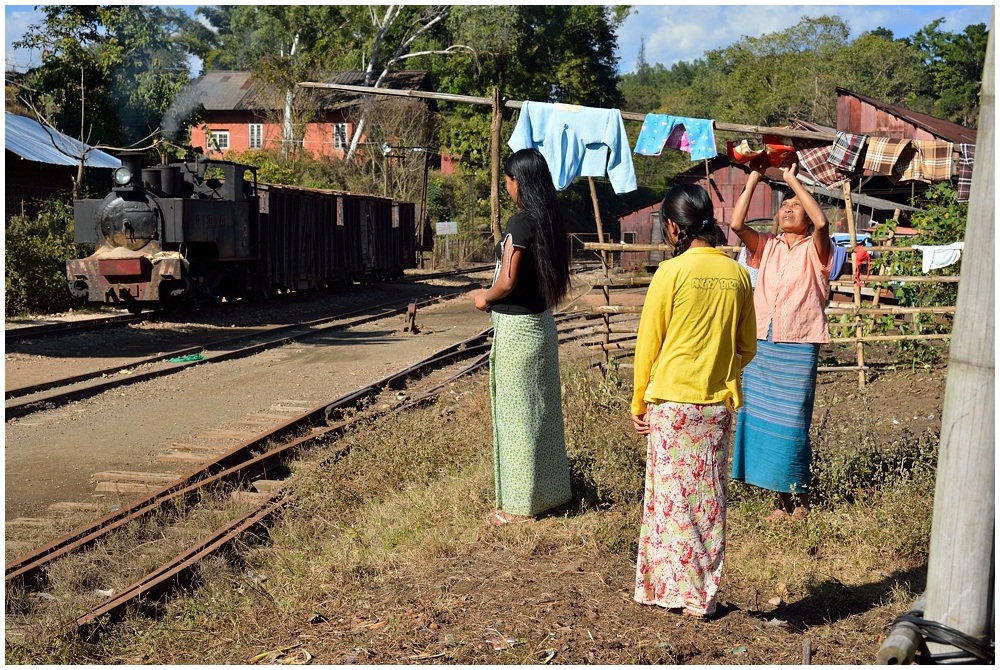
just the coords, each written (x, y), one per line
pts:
(746, 234)
(821, 227)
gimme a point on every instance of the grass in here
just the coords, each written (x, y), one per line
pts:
(385, 549)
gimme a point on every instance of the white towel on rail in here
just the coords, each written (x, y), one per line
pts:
(936, 257)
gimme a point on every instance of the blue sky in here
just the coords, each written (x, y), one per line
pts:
(674, 33)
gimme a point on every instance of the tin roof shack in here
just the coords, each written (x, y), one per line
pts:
(641, 226)
(42, 163)
(240, 112)
(858, 113)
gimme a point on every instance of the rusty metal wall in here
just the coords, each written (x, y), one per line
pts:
(312, 237)
(301, 244)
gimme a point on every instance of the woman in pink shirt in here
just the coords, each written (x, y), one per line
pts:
(772, 448)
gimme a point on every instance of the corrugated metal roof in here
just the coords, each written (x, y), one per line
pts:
(946, 130)
(227, 90)
(32, 140)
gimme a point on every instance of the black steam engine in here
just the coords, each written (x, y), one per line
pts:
(207, 228)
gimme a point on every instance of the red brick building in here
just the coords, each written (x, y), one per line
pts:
(239, 113)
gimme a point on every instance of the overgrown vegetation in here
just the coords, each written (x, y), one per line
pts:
(940, 220)
(383, 552)
(35, 253)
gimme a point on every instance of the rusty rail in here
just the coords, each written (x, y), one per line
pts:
(309, 328)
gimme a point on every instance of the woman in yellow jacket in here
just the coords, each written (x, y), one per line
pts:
(697, 332)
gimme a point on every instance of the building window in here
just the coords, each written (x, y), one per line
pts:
(256, 135)
(340, 136)
(218, 140)
(628, 238)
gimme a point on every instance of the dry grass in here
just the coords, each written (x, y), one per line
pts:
(384, 557)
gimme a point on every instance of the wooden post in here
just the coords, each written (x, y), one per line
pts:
(960, 569)
(849, 207)
(604, 265)
(495, 125)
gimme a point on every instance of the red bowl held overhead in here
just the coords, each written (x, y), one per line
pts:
(778, 152)
(742, 153)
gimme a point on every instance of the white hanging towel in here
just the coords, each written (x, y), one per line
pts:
(936, 257)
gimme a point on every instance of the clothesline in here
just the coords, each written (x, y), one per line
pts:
(517, 104)
(829, 164)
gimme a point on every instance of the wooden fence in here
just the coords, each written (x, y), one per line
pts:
(625, 331)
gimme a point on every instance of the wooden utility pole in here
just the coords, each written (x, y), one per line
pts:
(852, 231)
(495, 125)
(960, 569)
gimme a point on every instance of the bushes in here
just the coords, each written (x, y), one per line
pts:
(36, 250)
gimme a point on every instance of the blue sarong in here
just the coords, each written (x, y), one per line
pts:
(771, 448)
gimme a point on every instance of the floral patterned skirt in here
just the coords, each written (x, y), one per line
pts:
(683, 535)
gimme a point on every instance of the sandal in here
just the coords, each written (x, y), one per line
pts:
(501, 518)
(777, 515)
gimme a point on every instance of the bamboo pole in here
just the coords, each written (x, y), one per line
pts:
(845, 340)
(889, 338)
(604, 261)
(516, 104)
(889, 309)
(934, 279)
(622, 247)
(849, 211)
(495, 126)
(960, 572)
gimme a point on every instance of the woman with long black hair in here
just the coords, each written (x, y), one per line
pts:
(531, 471)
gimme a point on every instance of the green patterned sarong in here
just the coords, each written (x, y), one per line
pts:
(531, 471)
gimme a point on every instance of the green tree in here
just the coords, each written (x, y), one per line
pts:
(286, 44)
(212, 41)
(117, 67)
(35, 253)
(771, 79)
(876, 65)
(954, 62)
(544, 53)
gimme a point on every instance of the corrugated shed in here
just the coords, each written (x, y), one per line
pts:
(238, 91)
(32, 140)
(868, 115)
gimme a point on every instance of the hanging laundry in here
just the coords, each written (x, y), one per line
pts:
(931, 162)
(966, 160)
(577, 141)
(695, 136)
(847, 150)
(863, 260)
(936, 257)
(814, 157)
(884, 153)
(837, 264)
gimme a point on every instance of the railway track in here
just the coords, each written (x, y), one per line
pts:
(21, 333)
(58, 392)
(57, 328)
(258, 470)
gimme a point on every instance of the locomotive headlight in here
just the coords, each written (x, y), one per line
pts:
(123, 176)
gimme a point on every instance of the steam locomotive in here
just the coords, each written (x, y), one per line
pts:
(209, 229)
